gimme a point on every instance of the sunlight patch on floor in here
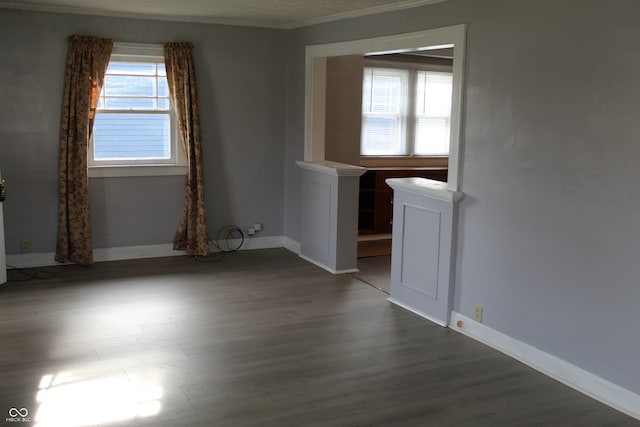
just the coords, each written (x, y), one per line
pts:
(65, 400)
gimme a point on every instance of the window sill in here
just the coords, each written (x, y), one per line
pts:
(136, 170)
(404, 162)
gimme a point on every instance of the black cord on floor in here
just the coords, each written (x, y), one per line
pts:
(226, 235)
(27, 274)
(223, 243)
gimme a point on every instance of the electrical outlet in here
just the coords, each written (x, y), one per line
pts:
(477, 313)
(257, 226)
(25, 246)
(251, 231)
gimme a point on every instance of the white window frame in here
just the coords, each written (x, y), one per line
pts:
(177, 164)
(410, 123)
(402, 116)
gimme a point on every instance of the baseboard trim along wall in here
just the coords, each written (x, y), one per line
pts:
(419, 313)
(577, 378)
(292, 245)
(45, 259)
(325, 267)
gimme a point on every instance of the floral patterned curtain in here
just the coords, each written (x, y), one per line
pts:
(87, 62)
(191, 235)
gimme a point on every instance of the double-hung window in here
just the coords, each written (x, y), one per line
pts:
(134, 129)
(433, 113)
(384, 111)
(405, 112)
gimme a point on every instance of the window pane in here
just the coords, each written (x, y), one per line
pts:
(433, 112)
(163, 104)
(162, 70)
(130, 86)
(366, 90)
(432, 136)
(381, 136)
(139, 68)
(384, 106)
(386, 95)
(136, 134)
(130, 104)
(131, 136)
(384, 90)
(163, 87)
(434, 93)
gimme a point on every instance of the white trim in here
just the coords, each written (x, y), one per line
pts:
(73, 10)
(292, 245)
(44, 259)
(222, 21)
(314, 114)
(329, 269)
(332, 168)
(32, 259)
(418, 312)
(137, 170)
(363, 12)
(577, 378)
(135, 252)
(426, 188)
(266, 242)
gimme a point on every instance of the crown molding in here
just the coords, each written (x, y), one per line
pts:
(362, 12)
(132, 15)
(213, 20)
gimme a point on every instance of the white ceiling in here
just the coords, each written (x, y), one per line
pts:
(260, 13)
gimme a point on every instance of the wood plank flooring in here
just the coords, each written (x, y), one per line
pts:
(261, 338)
(376, 271)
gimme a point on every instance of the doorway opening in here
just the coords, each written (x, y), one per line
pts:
(316, 83)
(320, 134)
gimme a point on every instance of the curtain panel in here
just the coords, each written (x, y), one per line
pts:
(87, 62)
(191, 235)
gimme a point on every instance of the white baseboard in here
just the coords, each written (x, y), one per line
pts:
(577, 378)
(295, 247)
(326, 267)
(32, 259)
(251, 243)
(292, 245)
(45, 259)
(419, 313)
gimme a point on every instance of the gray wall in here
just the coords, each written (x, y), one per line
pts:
(242, 78)
(548, 231)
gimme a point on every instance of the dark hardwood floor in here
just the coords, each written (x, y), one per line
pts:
(261, 338)
(376, 271)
